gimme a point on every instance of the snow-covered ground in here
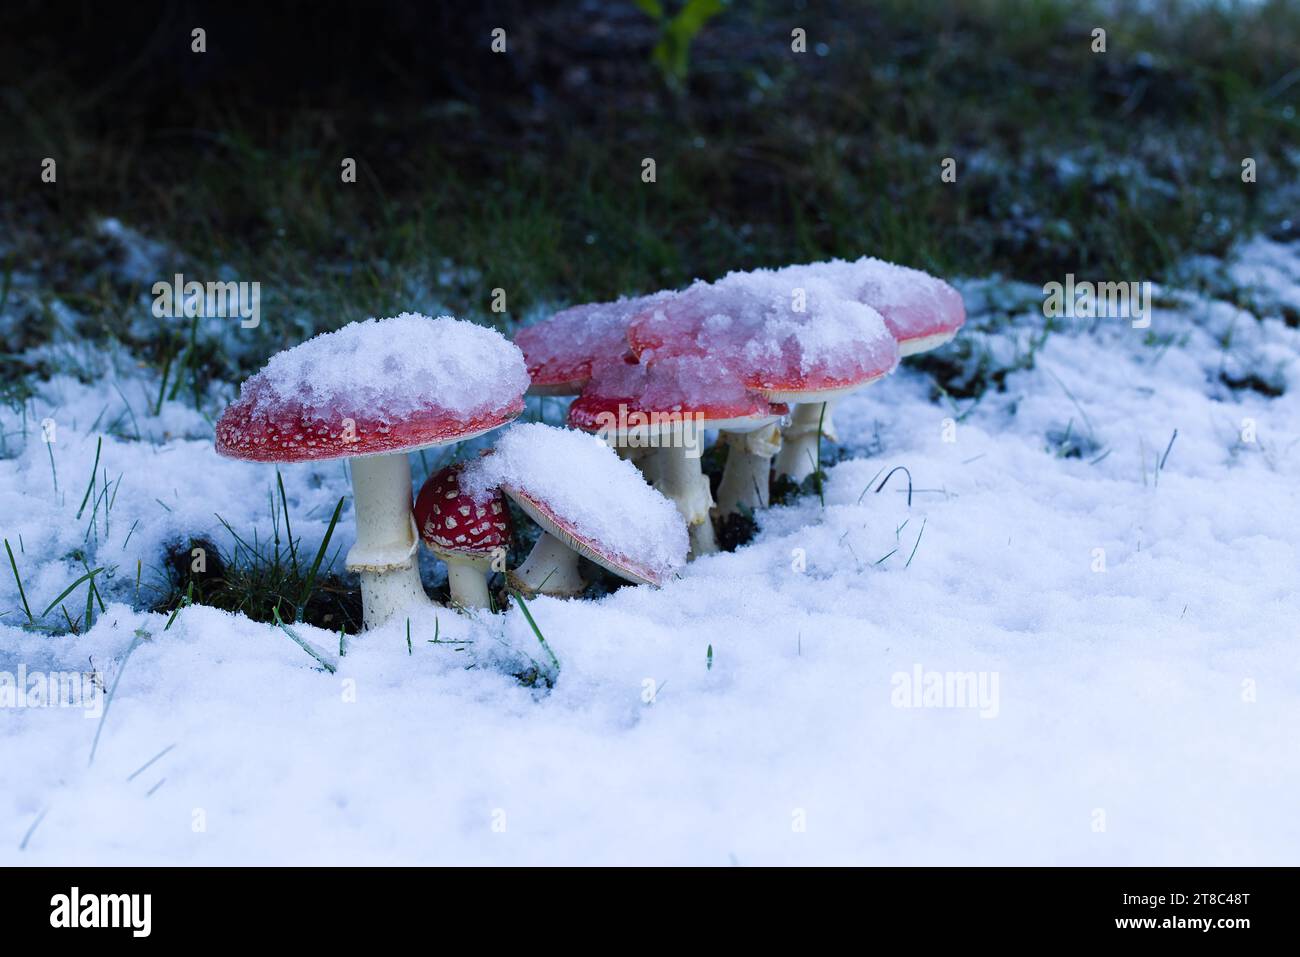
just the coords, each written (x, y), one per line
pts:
(1128, 629)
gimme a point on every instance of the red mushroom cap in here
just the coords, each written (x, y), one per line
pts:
(270, 430)
(373, 388)
(920, 310)
(451, 520)
(750, 323)
(560, 350)
(686, 387)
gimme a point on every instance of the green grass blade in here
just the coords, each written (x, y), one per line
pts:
(21, 593)
(906, 471)
(523, 606)
(187, 600)
(162, 386)
(140, 635)
(320, 554)
(99, 444)
(304, 645)
(288, 529)
(68, 591)
(917, 545)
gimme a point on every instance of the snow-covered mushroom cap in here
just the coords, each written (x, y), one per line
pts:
(453, 522)
(921, 311)
(578, 490)
(376, 387)
(648, 399)
(793, 338)
(560, 350)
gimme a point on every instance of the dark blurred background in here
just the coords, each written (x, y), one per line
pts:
(522, 170)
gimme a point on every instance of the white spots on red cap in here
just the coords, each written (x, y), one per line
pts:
(450, 518)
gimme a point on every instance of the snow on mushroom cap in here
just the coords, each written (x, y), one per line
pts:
(682, 385)
(382, 385)
(779, 333)
(451, 520)
(583, 483)
(560, 350)
(914, 304)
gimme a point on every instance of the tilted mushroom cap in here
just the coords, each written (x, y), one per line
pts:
(921, 311)
(560, 350)
(579, 490)
(376, 387)
(649, 398)
(793, 338)
(451, 520)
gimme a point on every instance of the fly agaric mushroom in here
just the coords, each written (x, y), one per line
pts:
(666, 405)
(560, 350)
(920, 311)
(469, 535)
(372, 392)
(787, 341)
(588, 502)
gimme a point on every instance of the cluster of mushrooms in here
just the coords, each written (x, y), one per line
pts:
(759, 357)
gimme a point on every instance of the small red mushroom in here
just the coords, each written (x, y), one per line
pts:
(470, 535)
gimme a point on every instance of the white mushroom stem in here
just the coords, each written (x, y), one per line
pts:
(551, 568)
(798, 456)
(467, 578)
(745, 479)
(681, 479)
(385, 551)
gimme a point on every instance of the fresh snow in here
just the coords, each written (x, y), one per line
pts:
(563, 347)
(913, 303)
(770, 327)
(671, 384)
(399, 365)
(1135, 600)
(587, 486)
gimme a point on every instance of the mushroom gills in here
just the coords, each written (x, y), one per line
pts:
(551, 568)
